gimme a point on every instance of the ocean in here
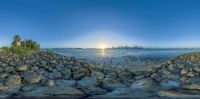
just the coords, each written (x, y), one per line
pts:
(123, 57)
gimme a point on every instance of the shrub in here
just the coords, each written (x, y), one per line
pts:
(21, 47)
(31, 45)
(5, 50)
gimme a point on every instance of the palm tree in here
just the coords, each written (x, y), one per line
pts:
(16, 40)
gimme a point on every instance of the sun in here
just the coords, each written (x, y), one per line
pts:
(102, 46)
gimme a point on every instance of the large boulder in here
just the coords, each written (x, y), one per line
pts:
(170, 84)
(22, 68)
(32, 77)
(69, 83)
(13, 80)
(87, 82)
(143, 84)
(66, 73)
(78, 74)
(53, 91)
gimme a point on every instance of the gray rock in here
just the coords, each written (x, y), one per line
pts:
(195, 86)
(78, 74)
(69, 83)
(53, 91)
(143, 84)
(22, 68)
(9, 69)
(119, 91)
(98, 75)
(13, 80)
(66, 73)
(55, 75)
(94, 91)
(35, 68)
(170, 84)
(87, 82)
(32, 77)
(175, 95)
(27, 88)
(50, 83)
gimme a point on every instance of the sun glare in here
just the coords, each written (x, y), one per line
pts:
(102, 46)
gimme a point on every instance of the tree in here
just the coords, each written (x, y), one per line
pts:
(16, 41)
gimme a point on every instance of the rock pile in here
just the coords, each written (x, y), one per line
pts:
(46, 74)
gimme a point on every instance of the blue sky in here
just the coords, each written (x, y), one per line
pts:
(92, 23)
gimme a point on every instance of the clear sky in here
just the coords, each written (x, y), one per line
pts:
(93, 23)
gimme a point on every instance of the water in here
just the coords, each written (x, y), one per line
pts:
(124, 57)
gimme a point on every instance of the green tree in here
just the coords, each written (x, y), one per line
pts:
(16, 41)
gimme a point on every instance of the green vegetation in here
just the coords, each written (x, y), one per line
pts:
(21, 47)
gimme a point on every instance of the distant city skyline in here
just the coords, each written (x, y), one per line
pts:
(102, 23)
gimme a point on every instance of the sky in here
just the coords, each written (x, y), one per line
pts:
(95, 23)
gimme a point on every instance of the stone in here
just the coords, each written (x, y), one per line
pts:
(53, 91)
(32, 77)
(13, 80)
(170, 84)
(175, 95)
(22, 68)
(87, 82)
(55, 75)
(69, 83)
(192, 86)
(183, 72)
(9, 69)
(98, 75)
(190, 74)
(35, 68)
(66, 73)
(27, 88)
(143, 84)
(94, 91)
(50, 83)
(78, 74)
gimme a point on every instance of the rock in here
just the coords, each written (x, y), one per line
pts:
(53, 91)
(22, 68)
(197, 69)
(98, 75)
(50, 83)
(143, 84)
(170, 84)
(12, 90)
(35, 68)
(66, 73)
(192, 87)
(78, 74)
(87, 82)
(9, 69)
(190, 74)
(183, 72)
(94, 91)
(174, 95)
(32, 77)
(69, 83)
(27, 88)
(44, 63)
(110, 84)
(55, 75)
(13, 80)
(119, 91)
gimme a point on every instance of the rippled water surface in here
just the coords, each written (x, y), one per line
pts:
(123, 57)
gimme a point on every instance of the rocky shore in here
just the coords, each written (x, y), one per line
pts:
(46, 74)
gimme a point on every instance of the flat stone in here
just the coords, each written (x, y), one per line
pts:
(171, 94)
(69, 83)
(53, 91)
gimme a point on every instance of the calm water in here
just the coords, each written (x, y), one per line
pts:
(123, 57)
